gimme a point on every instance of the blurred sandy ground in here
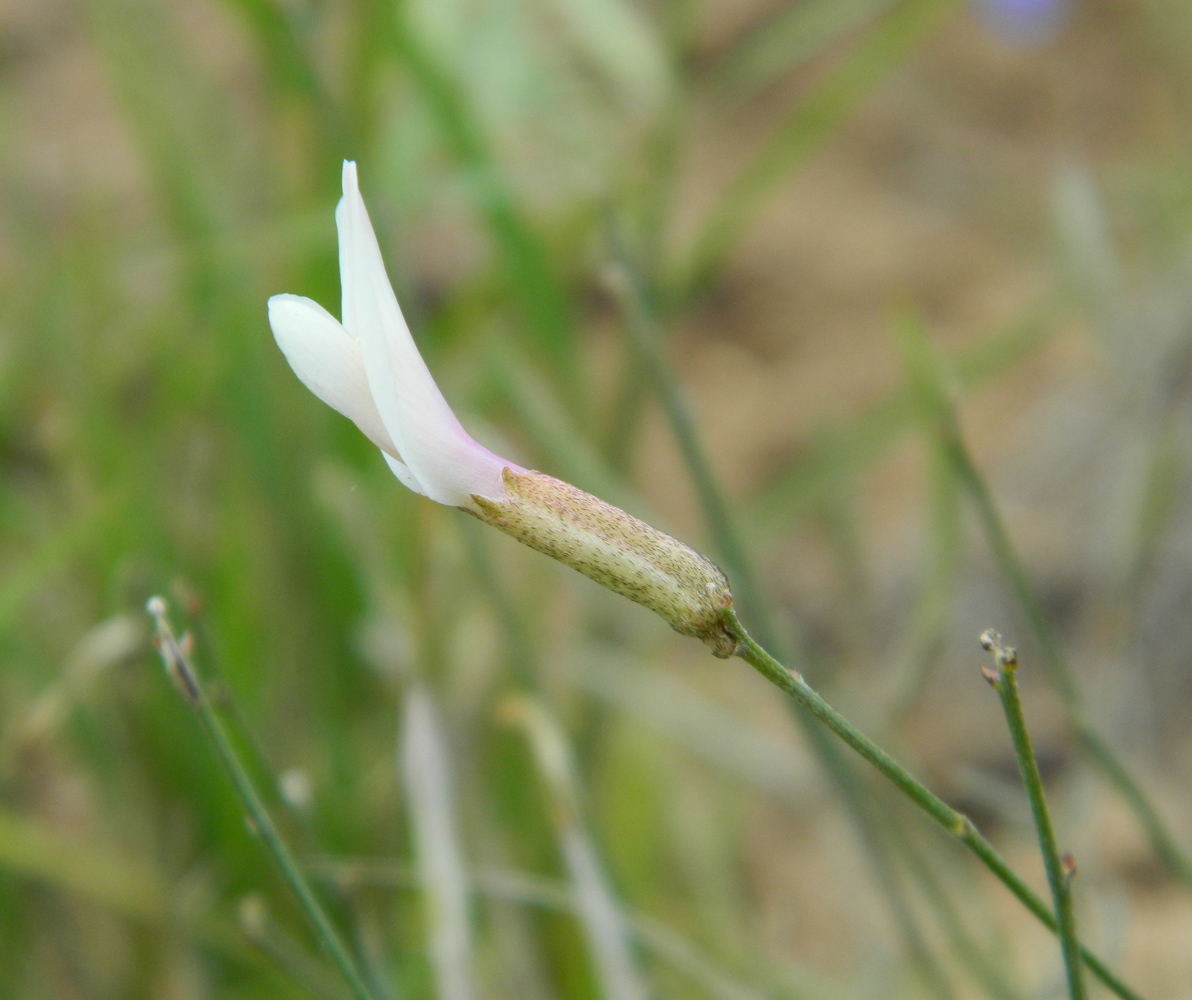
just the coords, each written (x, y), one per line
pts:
(940, 192)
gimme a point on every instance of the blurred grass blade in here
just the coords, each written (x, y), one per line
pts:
(21, 583)
(702, 727)
(804, 131)
(187, 133)
(35, 850)
(664, 941)
(932, 609)
(31, 848)
(667, 944)
(601, 917)
(989, 971)
(615, 38)
(264, 934)
(288, 63)
(171, 112)
(943, 528)
(689, 958)
(106, 645)
(124, 885)
(840, 453)
(1087, 252)
(786, 39)
(427, 780)
(525, 259)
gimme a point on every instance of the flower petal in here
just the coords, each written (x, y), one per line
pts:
(445, 460)
(403, 473)
(327, 360)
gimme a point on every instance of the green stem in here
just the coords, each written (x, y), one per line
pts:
(176, 660)
(1006, 685)
(956, 824)
(1172, 854)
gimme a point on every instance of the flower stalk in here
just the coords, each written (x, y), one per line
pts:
(175, 658)
(1004, 680)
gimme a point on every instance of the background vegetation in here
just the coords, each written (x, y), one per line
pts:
(822, 223)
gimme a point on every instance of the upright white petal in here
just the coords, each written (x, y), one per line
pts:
(441, 457)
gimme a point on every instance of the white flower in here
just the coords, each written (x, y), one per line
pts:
(369, 369)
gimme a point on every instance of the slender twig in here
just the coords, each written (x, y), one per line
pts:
(955, 823)
(1059, 876)
(175, 658)
(1173, 855)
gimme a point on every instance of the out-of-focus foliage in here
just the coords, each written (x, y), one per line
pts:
(508, 782)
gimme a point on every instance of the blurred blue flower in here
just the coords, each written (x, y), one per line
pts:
(1023, 22)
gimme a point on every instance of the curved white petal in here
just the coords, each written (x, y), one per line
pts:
(440, 454)
(403, 473)
(327, 360)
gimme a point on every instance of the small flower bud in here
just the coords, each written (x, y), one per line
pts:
(616, 550)
(295, 788)
(254, 916)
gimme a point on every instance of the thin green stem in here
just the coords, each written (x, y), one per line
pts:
(1005, 682)
(1173, 855)
(176, 660)
(955, 823)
